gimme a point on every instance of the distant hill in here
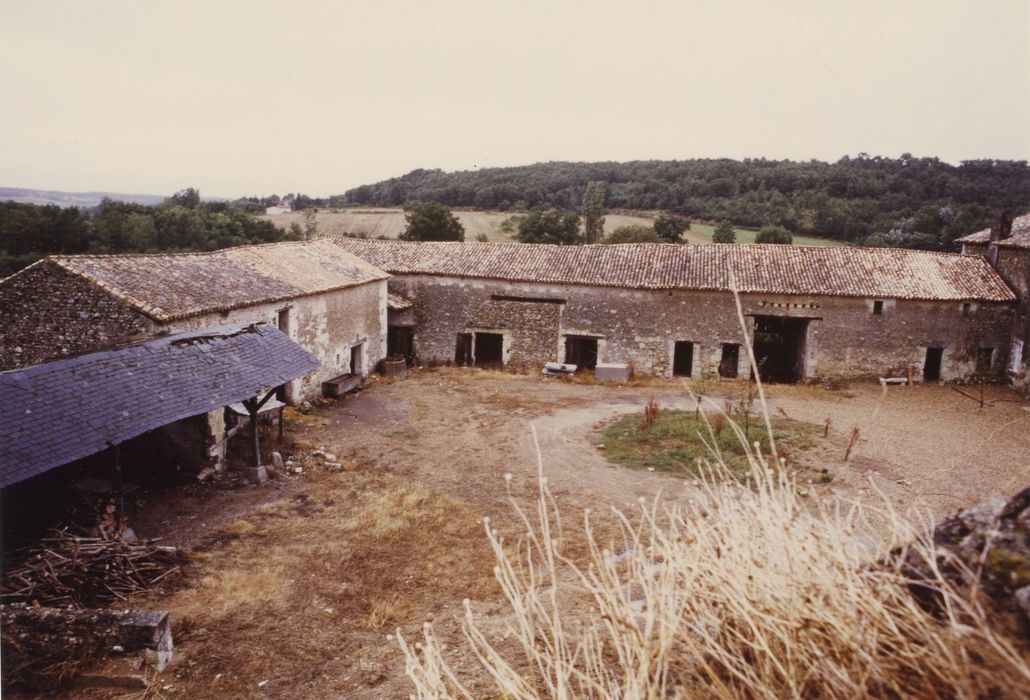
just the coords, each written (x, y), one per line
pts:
(906, 201)
(84, 200)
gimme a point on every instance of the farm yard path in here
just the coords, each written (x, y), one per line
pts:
(296, 598)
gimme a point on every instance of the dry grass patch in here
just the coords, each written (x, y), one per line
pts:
(306, 583)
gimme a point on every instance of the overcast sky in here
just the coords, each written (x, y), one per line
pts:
(259, 97)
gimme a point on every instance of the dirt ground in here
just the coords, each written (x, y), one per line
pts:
(297, 585)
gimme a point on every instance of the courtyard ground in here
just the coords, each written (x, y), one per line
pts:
(296, 585)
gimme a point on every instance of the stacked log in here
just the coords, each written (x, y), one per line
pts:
(83, 572)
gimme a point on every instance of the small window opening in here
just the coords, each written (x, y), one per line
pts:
(967, 309)
(283, 321)
(878, 308)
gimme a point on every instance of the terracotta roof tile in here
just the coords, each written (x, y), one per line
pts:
(1020, 237)
(395, 302)
(167, 287)
(769, 269)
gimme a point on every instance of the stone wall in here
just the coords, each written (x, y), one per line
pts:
(47, 313)
(844, 338)
(327, 325)
(532, 327)
(1013, 264)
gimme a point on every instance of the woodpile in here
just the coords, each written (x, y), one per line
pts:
(65, 569)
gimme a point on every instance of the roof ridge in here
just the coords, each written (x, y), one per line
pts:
(175, 254)
(665, 246)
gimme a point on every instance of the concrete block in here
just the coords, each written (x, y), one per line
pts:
(611, 372)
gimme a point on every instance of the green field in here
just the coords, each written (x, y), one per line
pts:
(702, 233)
(375, 222)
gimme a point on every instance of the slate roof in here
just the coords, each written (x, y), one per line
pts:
(172, 286)
(57, 412)
(1020, 237)
(768, 269)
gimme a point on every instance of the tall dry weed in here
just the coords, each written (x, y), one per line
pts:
(741, 590)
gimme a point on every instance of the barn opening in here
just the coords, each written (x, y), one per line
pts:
(728, 361)
(581, 350)
(779, 345)
(489, 350)
(932, 364)
(682, 358)
(400, 342)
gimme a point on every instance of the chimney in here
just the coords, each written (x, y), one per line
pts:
(1000, 230)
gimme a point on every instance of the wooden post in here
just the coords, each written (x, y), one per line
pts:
(910, 375)
(257, 473)
(116, 486)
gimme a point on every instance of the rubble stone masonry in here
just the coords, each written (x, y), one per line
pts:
(49, 313)
(845, 338)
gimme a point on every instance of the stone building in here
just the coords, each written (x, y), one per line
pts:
(669, 309)
(330, 302)
(1006, 246)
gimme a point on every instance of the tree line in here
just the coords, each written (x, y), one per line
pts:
(29, 232)
(905, 201)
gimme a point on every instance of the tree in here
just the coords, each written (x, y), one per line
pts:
(670, 227)
(432, 221)
(632, 234)
(593, 211)
(774, 234)
(553, 226)
(189, 198)
(724, 233)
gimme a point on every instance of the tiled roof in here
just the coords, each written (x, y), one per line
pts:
(1020, 237)
(768, 269)
(168, 287)
(57, 412)
(395, 302)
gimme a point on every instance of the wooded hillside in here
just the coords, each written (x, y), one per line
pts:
(906, 201)
(29, 232)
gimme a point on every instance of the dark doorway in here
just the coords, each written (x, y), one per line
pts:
(728, 361)
(356, 365)
(581, 350)
(683, 359)
(779, 345)
(400, 342)
(984, 360)
(463, 350)
(489, 349)
(932, 365)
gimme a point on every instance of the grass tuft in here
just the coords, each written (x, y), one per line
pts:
(675, 441)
